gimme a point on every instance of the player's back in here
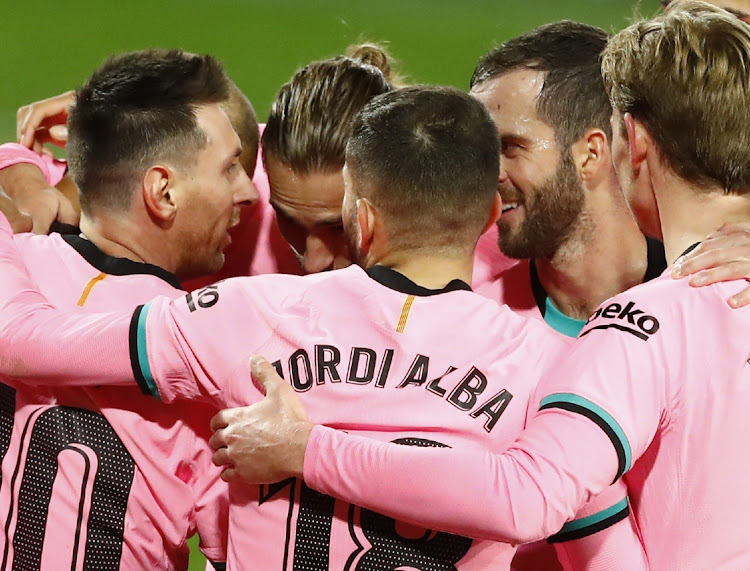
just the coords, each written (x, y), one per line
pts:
(688, 490)
(371, 354)
(100, 478)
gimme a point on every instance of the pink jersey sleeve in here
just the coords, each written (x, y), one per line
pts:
(85, 348)
(602, 537)
(519, 496)
(175, 358)
(603, 533)
(52, 169)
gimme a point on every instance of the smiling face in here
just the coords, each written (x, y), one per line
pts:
(308, 212)
(212, 188)
(541, 192)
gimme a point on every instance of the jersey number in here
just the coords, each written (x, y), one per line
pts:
(104, 487)
(388, 549)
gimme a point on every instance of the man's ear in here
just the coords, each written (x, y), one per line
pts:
(637, 142)
(367, 216)
(590, 154)
(495, 211)
(158, 192)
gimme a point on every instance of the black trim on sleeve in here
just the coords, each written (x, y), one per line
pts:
(601, 423)
(219, 566)
(591, 529)
(134, 361)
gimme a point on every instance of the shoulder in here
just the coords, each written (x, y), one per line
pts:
(281, 286)
(663, 307)
(29, 242)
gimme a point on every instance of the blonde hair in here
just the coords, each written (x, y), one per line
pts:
(686, 76)
(311, 118)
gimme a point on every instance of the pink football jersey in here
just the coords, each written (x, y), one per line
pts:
(103, 478)
(646, 393)
(397, 342)
(396, 351)
(391, 373)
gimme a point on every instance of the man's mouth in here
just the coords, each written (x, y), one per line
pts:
(507, 206)
(234, 220)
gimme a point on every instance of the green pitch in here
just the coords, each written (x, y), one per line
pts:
(52, 46)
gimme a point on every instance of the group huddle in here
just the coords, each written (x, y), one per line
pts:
(394, 327)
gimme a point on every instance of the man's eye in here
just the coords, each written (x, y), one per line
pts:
(509, 148)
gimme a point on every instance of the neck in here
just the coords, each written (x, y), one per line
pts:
(117, 235)
(689, 214)
(431, 270)
(606, 256)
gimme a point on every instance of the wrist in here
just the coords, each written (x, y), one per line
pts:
(22, 180)
(299, 447)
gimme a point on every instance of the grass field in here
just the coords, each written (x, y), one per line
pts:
(53, 46)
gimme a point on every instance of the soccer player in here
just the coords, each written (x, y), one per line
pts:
(257, 245)
(564, 214)
(107, 479)
(368, 348)
(304, 146)
(655, 389)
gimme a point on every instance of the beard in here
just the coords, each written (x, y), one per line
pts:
(551, 215)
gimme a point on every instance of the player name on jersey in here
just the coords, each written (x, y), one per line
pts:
(467, 393)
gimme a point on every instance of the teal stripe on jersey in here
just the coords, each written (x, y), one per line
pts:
(560, 322)
(598, 415)
(143, 353)
(594, 519)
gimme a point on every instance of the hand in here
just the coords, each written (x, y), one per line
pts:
(19, 222)
(33, 197)
(44, 122)
(723, 256)
(265, 442)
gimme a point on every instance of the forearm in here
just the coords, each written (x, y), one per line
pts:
(33, 170)
(522, 495)
(22, 178)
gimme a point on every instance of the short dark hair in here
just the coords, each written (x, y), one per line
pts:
(428, 158)
(137, 108)
(311, 117)
(572, 99)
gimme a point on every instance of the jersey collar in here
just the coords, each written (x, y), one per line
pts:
(392, 279)
(116, 266)
(656, 264)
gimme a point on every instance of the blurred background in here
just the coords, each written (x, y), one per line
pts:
(52, 47)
